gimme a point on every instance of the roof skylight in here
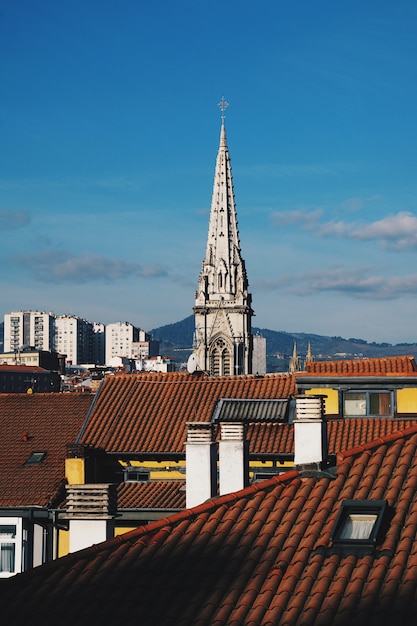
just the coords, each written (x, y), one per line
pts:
(359, 522)
(35, 458)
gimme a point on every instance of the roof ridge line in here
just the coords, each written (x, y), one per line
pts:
(399, 434)
(208, 504)
(158, 525)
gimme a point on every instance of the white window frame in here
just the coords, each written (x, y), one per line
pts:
(16, 541)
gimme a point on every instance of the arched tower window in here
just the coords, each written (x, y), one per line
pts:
(220, 358)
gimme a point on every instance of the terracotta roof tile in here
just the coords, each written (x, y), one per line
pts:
(43, 422)
(245, 558)
(262, 555)
(148, 412)
(161, 494)
(387, 366)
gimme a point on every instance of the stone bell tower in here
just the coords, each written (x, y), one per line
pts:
(223, 339)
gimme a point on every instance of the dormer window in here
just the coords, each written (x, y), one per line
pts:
(368, 403)
(359, 522)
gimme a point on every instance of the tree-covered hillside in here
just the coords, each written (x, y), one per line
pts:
(176, 341)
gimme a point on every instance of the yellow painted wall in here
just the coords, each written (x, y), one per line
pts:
(407, 401)
(161, 470)
(331, 402)
(122, 531)
(74, 471)
(63, 542)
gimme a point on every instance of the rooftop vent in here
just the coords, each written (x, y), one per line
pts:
(91, 501)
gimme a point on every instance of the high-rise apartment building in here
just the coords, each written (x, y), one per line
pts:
(28, 328)
(120, 337)
(99, 343)
(74, 338)
(82, 342)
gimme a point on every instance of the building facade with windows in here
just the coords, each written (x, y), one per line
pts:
(120, 337)
(363, 388)
(81, 341)
(74, 338)
(28, 328)
(47, 359)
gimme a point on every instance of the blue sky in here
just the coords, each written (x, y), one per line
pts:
(109, 131)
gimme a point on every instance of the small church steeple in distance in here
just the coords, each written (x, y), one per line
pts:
(223, 305)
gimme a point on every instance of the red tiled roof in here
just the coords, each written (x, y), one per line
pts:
(148, 412)
(387, 366)
(43, 422)
(262, 555)
(345, 434)
(158, 494)
(342, 434)
(270, 438)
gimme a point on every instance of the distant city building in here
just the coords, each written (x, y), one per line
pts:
(80, 341)
(74, 338)
(28, 328)
(99, 343)
(145, 349)
(35, 358)
(120, 337)
(28, 379)
(155, 364)
(121, 364)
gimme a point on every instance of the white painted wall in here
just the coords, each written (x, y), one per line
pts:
(87, 532)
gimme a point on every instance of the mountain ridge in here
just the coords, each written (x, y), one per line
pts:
(177, 338)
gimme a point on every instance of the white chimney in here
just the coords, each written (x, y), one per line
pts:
(201, 463)
(233, 458)
(91, 509)
(310, 432)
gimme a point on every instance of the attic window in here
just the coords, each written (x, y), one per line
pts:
(35, 458)
(134, 474)
(359, 522)
(367, 403)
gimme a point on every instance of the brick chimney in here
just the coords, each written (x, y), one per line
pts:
(233, 457)
(310, 433)
(201, 463)
(91, 509)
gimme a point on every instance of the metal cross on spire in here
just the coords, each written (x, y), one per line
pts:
(223, 106)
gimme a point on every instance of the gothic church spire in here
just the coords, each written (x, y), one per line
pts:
(222, 308)
(224, 266)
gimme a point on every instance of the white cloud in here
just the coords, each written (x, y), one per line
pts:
(358, 283)
(395, 232)
(61, 267)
